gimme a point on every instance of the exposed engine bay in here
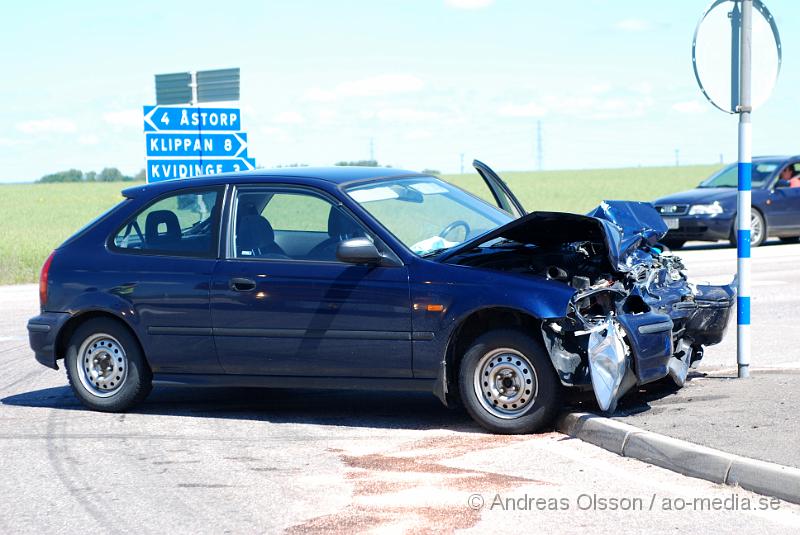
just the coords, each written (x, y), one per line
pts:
(634, 317)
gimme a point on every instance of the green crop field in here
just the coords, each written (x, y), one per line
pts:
(36, 218)
(580, 191)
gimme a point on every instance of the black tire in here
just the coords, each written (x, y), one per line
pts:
(673, 244)
(503, 344)
(762, 237)
(790, 239)
(130, 379)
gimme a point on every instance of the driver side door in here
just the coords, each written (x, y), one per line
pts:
(283, 304)
(784, 211)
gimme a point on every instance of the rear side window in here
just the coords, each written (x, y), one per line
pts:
(182, 224)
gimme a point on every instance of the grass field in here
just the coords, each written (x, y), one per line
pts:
(36, 218)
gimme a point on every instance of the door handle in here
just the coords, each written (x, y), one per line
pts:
(242, 284)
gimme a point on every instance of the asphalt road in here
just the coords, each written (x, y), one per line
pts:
(774, 304)
(266, 461)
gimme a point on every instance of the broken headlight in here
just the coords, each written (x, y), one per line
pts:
(597, 303)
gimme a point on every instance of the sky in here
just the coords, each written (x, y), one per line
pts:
(421, 81)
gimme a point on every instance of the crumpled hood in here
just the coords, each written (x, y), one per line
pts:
(623, 226)
(638, 224)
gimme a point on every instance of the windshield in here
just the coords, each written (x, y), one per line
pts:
(427, 214)
(728, 177)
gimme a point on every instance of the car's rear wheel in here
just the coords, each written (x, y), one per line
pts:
(508, 384)
(105, 366)
(758, 229)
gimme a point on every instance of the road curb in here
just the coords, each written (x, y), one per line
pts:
(683, 457)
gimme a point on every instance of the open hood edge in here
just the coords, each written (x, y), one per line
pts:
(550, 228)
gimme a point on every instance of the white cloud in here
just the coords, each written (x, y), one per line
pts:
(531, 109)
(124, 118)
(276, 135)
(8, 142)
(89, 139)
(468, 4)
(289, 117)
(595, 104)
(644, 88)
(598, 108)
(405, 115)
(319, 95)
(418, 134)
(633, 25)
(601, 87)
(689, 107)
(47, 126)
(326, 115)
(383, 84)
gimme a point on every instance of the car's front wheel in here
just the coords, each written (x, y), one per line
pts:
(508, 384)
(105, 366)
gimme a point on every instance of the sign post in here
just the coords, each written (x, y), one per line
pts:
(743, 204)
(726, 40)
(184, 142)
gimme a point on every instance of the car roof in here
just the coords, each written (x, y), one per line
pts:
(292, 175)
(775, 157)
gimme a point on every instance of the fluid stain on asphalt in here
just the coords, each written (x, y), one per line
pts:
(411, 490)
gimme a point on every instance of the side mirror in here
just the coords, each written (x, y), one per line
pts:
(358, 251)
(782, 183)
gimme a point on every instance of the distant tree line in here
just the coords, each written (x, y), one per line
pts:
(109, 174)
(360, 163)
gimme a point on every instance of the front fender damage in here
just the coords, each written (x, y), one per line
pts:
(634, 317)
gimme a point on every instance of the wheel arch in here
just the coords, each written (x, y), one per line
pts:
(469, 327)
(72, 324)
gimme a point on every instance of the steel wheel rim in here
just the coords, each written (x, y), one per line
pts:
(505, 383)
(756, 228)
(102, 365)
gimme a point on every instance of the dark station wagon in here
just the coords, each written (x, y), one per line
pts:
(370, 278)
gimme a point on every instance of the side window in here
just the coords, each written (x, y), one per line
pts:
(183, 224)
(290, 225)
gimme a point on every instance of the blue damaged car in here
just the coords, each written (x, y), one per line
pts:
(370, 278)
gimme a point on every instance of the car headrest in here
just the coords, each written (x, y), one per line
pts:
(341, 225)
(253, 231)
(246, 209)
(157, 218)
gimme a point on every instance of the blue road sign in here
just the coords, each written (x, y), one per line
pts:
(159, 169)
(184, 119)
(226, 145)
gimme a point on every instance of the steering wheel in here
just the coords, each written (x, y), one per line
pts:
(454, 225)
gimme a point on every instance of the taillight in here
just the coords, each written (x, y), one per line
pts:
(43, 280)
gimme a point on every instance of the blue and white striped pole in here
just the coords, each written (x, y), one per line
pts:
(743, 209)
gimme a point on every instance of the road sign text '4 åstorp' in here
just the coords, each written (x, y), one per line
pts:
(183, 142)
